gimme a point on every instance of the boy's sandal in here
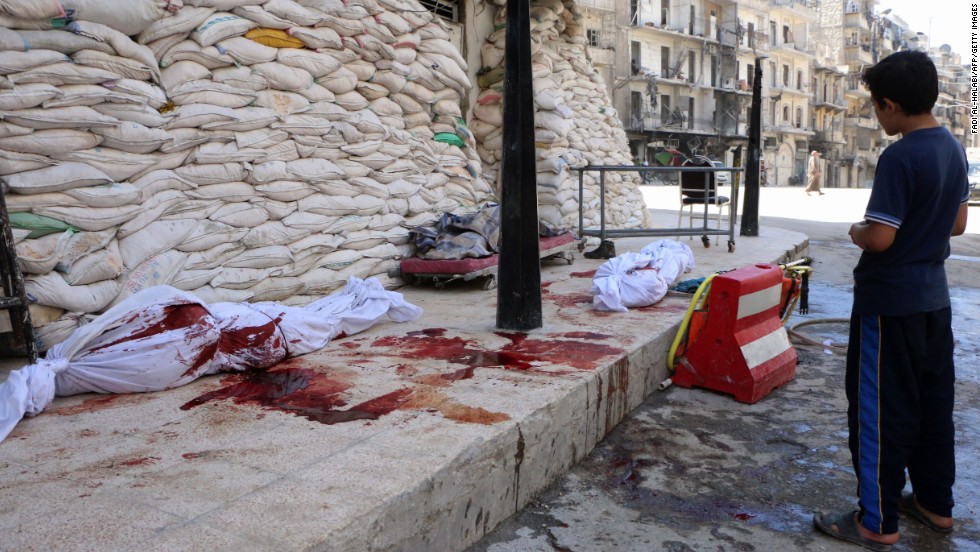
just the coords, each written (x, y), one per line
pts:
(912, 509)
(847, 529)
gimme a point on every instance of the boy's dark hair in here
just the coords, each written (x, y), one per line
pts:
(907, 78)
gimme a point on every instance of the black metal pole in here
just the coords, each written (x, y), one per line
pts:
(519, 270)
(750, 207)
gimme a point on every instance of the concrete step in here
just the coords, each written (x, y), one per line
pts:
(416, 436)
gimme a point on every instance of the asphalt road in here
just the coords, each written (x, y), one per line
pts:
(693, 470)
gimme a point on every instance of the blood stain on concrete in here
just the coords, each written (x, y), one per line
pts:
(100, 402)
(141, 461)
(521, 354)
(589, 274)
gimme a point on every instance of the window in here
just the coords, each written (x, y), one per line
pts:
(664, 12)
(785, 113)
(751, 34)
(772, 32)
(799, 117)
(690, 67)
(750, 74)
(786, 76)
(447, 9)
(593, 37)
(799, 80)
(690, 113)
(665, 61)
(714, 71)
(636, 109)
(690, 25)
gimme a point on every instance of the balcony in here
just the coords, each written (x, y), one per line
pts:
(861, 122)
(757, 40)
(856, 19)
(604, 5)
(806, 9)
(602, 56)
(860, 53)
(837, 103)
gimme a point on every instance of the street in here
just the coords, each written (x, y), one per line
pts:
(692, 470)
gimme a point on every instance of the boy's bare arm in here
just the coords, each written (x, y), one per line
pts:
(960, 225)
(872, 236)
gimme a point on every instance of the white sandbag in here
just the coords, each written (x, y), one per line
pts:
(262, 18)
(240, 215)
(209, 57)
(80, 244)
(120, 42)
(292, 11)
(182, 72)
(125, 67)
(284, 77)
(130, 17)
(260, 138)
(285, 190)
(132, 137)
(58, 178)
(27, 96)
(276, 288)
(316, 93)
(317, 38)
(199, 115)
(158, 270)
(303, 125)
(9, 129)
(269, 256)
(105, 264)
(118, 165)
(212, 173)
(15, 62)
(182, 22)
(210, 92)
(220, 26)
(314, 170)
(245, 118)
(208, 234)
(246, 51)
(193, 279)
(106, 195)
(142, 114)
(282, 102)
(59, 118)
(363, 205)
(90, 218)
(52, 290)
(227, 191)
(155, 238)
(15, 162)
(60, 41)
(340, 81)
(240, 77)
(315, 63)
(89, 95)
(240, 278)
(40, 255)
(32, 9)
(274, 232)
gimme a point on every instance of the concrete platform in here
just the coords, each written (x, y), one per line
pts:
(417, 436)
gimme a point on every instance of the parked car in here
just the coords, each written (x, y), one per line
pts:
(973, 175)
(722, 178)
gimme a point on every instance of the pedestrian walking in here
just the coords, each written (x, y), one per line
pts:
(813, 173)
(899, 369)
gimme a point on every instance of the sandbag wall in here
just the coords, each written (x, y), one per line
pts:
(238, 149)
(575, 121)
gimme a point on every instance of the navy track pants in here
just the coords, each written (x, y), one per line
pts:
(899, 385)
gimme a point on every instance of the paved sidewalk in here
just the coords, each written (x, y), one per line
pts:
(417, 436)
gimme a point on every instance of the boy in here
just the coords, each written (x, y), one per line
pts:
(899, 376)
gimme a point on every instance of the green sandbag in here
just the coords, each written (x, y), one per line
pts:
(449, 138)
(39, 225)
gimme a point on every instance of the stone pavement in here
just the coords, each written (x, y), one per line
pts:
(416, 436)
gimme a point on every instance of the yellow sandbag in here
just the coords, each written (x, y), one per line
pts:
(274, 38)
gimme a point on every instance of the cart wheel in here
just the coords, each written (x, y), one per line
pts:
(731, 246)
(706, 241)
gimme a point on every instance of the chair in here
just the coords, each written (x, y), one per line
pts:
(698, 191)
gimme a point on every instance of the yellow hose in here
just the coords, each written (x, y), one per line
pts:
(682, 331)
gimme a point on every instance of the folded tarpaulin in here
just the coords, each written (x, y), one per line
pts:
(640, 279)
(161, 338)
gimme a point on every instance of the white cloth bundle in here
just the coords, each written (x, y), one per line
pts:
(640, 279)
(161, 338)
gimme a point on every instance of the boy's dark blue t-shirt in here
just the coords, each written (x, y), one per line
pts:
(919, 185)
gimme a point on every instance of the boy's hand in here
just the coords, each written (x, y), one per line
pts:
(872, 236)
